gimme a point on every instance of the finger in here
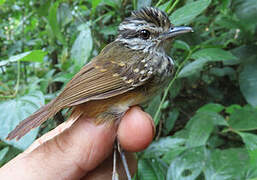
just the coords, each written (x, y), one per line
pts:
(69, 155)
(136, 130)
(51, 134)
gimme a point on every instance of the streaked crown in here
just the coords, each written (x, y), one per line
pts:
(143, 28)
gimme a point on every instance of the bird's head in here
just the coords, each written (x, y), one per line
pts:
(148, 29)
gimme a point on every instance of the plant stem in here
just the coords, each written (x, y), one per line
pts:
(172, 7)
(169, 86)
(158, 3)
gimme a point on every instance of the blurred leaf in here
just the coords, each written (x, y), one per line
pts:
(187, 13)
(246, 11)
(211, 107)
(248, 82)
(153, 106)
(250, 141)
(143, 3)
(54, 24)
(244, 119)
(32, 56)
(15, 110)
(225, 164)
(213, 54)
(82, 47)
(202, 57)
(201, 126)
(181, 45)
(187, 166)
(170, 121)
(192, 68)
(162, 146)
(3, 152)
(151, 169)
(232, 108)
(64, 15)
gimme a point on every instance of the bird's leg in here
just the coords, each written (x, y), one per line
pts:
(123, 159)
(115, 175)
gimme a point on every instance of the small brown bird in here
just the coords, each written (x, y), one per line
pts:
(127, 72)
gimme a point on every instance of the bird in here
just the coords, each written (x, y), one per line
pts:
(129, 71)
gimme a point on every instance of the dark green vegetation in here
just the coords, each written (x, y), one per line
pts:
(206, 119)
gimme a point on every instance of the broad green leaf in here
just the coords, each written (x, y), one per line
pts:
(213, 54)
(187, 13)
(170, 121)
(3, 152)
(248, 82)
(192, 68)
(64, 14)
(162, 146)
(244, 119)
(250, 141)
(246, 11)
(200, 129)
(187, 166)
(225, 164)
(211, 107)
(202, 57)
(181, 45)
(82, 47)
(143, 3)
(31, 56)
(15, 110)
(201, 126)
(54, 24)
(151, 169)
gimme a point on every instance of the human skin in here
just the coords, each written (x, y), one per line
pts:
(82, 150)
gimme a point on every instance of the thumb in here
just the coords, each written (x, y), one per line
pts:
(69, 155)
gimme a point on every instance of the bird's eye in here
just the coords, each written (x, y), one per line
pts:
(145, 34)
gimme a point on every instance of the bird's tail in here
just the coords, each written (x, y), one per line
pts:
(32, 121)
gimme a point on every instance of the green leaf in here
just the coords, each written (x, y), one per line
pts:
(15, 110)
(187, 166)
(246, 11)
(151, 169)
(248, 82)
(250, 141)
(153, 106)
(31, 56)
(3, 152)
(64, 15)
(244, 119)
(54, 24)
(83, 45)
(213, 54)
(162, 146)
(192, 68)
(201, 126)
(187, 13)
(143, 3)
(225, 164)
(202, 57)
(181, 45)
(170, 121)
(211, 107)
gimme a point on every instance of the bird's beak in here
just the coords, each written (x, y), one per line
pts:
(174, 31)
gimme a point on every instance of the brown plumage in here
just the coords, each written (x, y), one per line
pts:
(127, 72)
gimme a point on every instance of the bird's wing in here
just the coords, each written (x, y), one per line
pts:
(107, 75)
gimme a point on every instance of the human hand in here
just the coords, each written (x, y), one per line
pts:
(82, 151)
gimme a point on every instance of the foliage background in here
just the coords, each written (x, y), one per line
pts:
(206, 119)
